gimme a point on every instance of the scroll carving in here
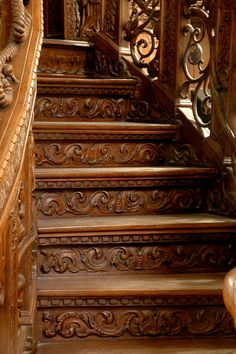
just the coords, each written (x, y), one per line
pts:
(74, 107)
(118, 202)
(163, 322)
(152, 258)
(21, 21)
(99, 154)
(106, 66)
(143, 33)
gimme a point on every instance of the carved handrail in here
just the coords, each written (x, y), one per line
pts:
(21, 43)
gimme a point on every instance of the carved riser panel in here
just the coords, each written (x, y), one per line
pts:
(61, 60)
(85, 154)
(96, 107)
(166, 258)
(117, 202)
(171, 321)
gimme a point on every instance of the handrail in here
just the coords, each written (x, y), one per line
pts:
(19, 56)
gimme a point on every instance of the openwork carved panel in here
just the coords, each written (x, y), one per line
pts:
(166, 258)
(77, 108)
(162, 322)
(104, 202)
(143, 33)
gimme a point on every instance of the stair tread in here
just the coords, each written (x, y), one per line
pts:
(187, 222)
(141, 346)
(106, 127)
(132, 285)
(125, 172)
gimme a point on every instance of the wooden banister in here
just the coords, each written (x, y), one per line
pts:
(19, 55)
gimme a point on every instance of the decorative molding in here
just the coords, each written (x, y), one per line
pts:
(46, 302)
(81, 108)
(163, 322)
(19, 30)
(113, 237)
(57, 63)
(165, 258)
(118, 202)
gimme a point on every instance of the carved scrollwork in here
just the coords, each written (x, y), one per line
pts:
(99, 154)
(123, 258)
(197, 63)
(143, 33)
(163, 322)
(21, 21)
(74, 107)
(118, 202)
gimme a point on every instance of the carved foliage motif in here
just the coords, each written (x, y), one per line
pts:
(164, 322)
(99, 154)
(21, 22)
(123, 258)
(86, 108)
(71, 19)
(118, 202)
(95, 154)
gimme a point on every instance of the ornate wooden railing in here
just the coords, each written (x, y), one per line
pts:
(21, 37)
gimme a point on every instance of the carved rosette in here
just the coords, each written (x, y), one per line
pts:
(169, 258)
(21, 22)
(118, 202)
(164, 322)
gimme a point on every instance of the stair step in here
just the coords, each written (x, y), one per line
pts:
(144, 176)
(107, 129)
(128, 306)
(140, 285)
(193, 224)
(142, 346)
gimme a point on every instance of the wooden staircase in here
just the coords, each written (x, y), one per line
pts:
(130, 261)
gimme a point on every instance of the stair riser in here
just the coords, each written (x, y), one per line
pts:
(84, 202)
(56, 106)
(64, 153)
(134, 321)
(165, 258)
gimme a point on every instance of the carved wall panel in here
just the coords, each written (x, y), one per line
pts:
(111, 18)
(105, 202)
(164, 258)
(156, 322)
(81, 108)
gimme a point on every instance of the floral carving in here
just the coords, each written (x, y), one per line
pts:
(74, 107)
(60, 64)
(118, 202)
(175, 258)
(163, 322)
(106, 66)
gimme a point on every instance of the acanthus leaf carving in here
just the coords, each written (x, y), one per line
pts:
(163, 322)
(118, 202)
